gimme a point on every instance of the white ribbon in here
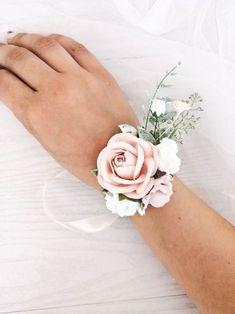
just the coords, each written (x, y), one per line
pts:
(93, 224)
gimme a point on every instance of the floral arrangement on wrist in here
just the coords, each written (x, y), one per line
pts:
(136, 167)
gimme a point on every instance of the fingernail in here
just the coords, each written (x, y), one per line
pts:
(10, 35)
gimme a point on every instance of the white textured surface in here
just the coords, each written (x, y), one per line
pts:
(45, 267)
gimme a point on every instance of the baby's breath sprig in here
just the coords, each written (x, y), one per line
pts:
(168, 117)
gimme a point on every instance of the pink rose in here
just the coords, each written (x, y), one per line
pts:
(127, 165)
(160, 193)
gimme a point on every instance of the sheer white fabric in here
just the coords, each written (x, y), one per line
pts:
(137, 41)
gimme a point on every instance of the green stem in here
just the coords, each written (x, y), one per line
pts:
(172, 124)
(176, 125)
(155, 94)
(155, 128)
(173, 132)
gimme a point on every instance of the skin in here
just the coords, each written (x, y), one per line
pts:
(197, 246)
(70, 99)
(66, 99)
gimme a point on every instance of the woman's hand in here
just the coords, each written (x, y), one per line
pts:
(64, 97)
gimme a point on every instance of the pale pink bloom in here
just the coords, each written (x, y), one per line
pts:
(127, 165)
(160, 193)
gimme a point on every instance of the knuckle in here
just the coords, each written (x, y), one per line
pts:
(18, 36)
(44, 43)
(78, 48)
(16, 54)
(56, 36)
(108, 80)
(74, 47)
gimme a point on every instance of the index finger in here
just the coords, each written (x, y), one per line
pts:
(26, 65)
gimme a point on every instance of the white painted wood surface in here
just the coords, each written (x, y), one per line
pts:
(162, 305)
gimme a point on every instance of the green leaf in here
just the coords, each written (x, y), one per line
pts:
(169, 115)
(142, 205)
(94, 172)
(146, 135)
(121, 197)
(127, 128)
(167, 99)
(152, 120)
(108, 192)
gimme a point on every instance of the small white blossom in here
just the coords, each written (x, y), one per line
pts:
(168, 161)
(127, 128)
(158, 106)
(124, 207)
(178, 106)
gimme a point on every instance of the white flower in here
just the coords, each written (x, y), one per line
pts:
(123, 208)
(158, 106)
(127, 128)
(178, 106)
(168, 161)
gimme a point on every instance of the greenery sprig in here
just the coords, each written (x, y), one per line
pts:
(178, 118)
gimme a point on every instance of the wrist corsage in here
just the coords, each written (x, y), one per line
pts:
(136, 167)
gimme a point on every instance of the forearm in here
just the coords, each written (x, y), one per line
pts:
(196, 245)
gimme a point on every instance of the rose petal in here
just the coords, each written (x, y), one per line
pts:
(163, 184)
(132, 140)
(146, 146)
(115, 188)
(130, 158)
(136, 195)
(104, 166)
(159, 199)
(114, 152)
(100, 157)
(119, 161)
(140, 160)
(165, 188)
(149, 165)
(125, 172)
(119, 180)
(106, 170)
(120, 137)
(155, 158)
(124, 146)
